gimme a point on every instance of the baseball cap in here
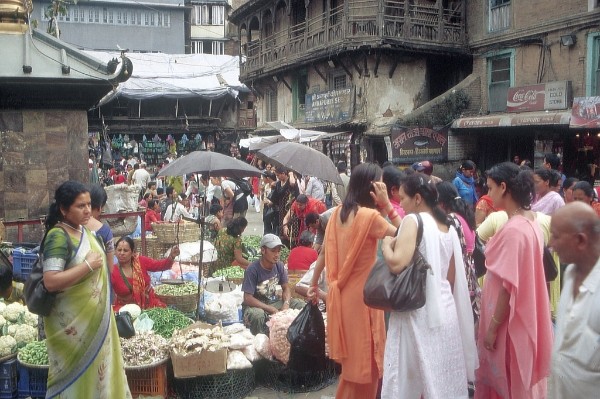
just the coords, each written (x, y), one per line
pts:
(418, 166)
(270, 241)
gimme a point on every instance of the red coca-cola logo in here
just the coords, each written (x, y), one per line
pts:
(525, 95)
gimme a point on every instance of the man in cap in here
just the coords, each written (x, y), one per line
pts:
(427, 168)
(300, 208)
(575, 367)
(261, 279)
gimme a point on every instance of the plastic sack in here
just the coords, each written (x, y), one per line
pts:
(262, 346)
(236, 360)
(306, 335)
(143, 323)
(251, 353)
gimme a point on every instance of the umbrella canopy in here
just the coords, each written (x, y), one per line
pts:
(302, 159)
(209, 163)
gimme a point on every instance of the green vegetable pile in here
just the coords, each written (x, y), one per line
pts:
(167, 320)
(34, 353)
(188, 288)
(251, 248)
(230, 272)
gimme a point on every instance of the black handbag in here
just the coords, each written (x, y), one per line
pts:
(38, 299)
(550, 269)
(124, 324)
(398, 292)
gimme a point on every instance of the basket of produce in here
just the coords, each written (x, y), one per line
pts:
(235, 274)
(154, 248)
(171, 233)
(183, 297)
(167, 320)
(33, 373)
(145, 356)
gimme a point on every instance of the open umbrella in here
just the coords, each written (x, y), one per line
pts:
(302, 159)
(209, 163)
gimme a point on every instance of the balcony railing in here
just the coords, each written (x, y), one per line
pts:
(357, 23)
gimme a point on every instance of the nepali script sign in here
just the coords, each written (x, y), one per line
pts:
(329, 106)
(412, 144)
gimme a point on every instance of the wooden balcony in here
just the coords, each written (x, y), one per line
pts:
(359, 23)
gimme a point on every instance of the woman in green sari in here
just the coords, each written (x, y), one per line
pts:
(81, 335)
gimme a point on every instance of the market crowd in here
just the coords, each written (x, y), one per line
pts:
(501, 329)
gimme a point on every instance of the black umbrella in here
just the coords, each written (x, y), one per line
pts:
(209, 163)
(302, 159)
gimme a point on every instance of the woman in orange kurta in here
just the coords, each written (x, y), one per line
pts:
(356, 333)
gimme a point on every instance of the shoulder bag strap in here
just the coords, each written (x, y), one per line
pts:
(127, 283)
(419, 229)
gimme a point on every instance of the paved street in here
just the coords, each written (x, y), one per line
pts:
(255, 227)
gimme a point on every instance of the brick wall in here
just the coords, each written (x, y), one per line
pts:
(38, 151)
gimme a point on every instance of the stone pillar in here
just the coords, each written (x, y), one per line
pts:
(39, 149)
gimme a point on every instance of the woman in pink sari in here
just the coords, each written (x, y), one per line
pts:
(548, 199)
(515, 331)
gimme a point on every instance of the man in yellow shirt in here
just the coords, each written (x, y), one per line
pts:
(10, 290)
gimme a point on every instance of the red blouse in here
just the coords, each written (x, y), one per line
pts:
(124, 296)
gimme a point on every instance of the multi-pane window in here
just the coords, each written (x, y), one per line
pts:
(218, 15)
(111, 19)
(337, 81)
(271, 106)
(119, 17)
(196, 47)
(499, 15)
(104, 15)
(218, 48)
(499, 69)
(146, 19)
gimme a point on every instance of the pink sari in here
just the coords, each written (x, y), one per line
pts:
(519, 365)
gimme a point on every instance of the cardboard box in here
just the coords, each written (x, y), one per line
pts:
(199, 364)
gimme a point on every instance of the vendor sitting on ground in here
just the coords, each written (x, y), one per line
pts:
(10, 290)
(130, 279)
(229, 246)
(303, 255)
(260, 286)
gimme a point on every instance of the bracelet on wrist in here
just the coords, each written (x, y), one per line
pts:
(88, 265)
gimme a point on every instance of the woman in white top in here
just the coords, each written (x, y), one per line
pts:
(430, 352)
(177, 209)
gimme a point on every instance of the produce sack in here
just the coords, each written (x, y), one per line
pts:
(306, 335)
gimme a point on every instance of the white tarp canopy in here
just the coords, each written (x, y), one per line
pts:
(286, 132)
(176, 76)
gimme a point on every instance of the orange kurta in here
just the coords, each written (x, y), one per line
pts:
(356, 333)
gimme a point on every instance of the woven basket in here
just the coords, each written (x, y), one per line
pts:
(167, 232)
(234, 384)
(154, 248)
(275, 375)
(185, 303)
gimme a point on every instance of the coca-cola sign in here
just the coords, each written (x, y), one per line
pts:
(540, 97)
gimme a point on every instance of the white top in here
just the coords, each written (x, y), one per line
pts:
(314, 188)
(180, 211)
(141, 177)
(575, 364)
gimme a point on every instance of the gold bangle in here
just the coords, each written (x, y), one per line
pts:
(495, 320)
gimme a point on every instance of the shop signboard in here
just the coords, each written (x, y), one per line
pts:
(412, 144)
(585, 113)
(329, 106)
(540, 97)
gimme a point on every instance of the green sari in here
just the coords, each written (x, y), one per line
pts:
(83, 343)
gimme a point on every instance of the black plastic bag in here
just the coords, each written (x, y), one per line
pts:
(306, 335)
(125, 324)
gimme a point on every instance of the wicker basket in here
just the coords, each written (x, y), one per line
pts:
(187, 304)
(167, 232)
(154, 248)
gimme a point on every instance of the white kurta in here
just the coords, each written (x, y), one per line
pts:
(430, 351)
(575, 368)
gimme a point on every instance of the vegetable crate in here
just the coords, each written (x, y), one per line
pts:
(32, 382)
(23, 262)
(234, 384)
(148, 381)
(8, 379)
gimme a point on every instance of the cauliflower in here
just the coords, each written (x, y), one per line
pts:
(2, 306)
(2, 322)
(25, 334)
(10, 329)
(30, 319)
(133, 309)
(8, 345)
(14, 311)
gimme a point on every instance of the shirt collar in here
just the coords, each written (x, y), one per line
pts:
(593, 279)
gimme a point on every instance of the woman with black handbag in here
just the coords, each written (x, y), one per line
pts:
(430, 352)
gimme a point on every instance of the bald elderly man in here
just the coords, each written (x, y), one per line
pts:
(575, 236)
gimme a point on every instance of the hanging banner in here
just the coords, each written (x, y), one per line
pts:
(329, 106)
(585, 113)
(412, 144)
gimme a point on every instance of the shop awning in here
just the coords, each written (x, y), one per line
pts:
(538, 118)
